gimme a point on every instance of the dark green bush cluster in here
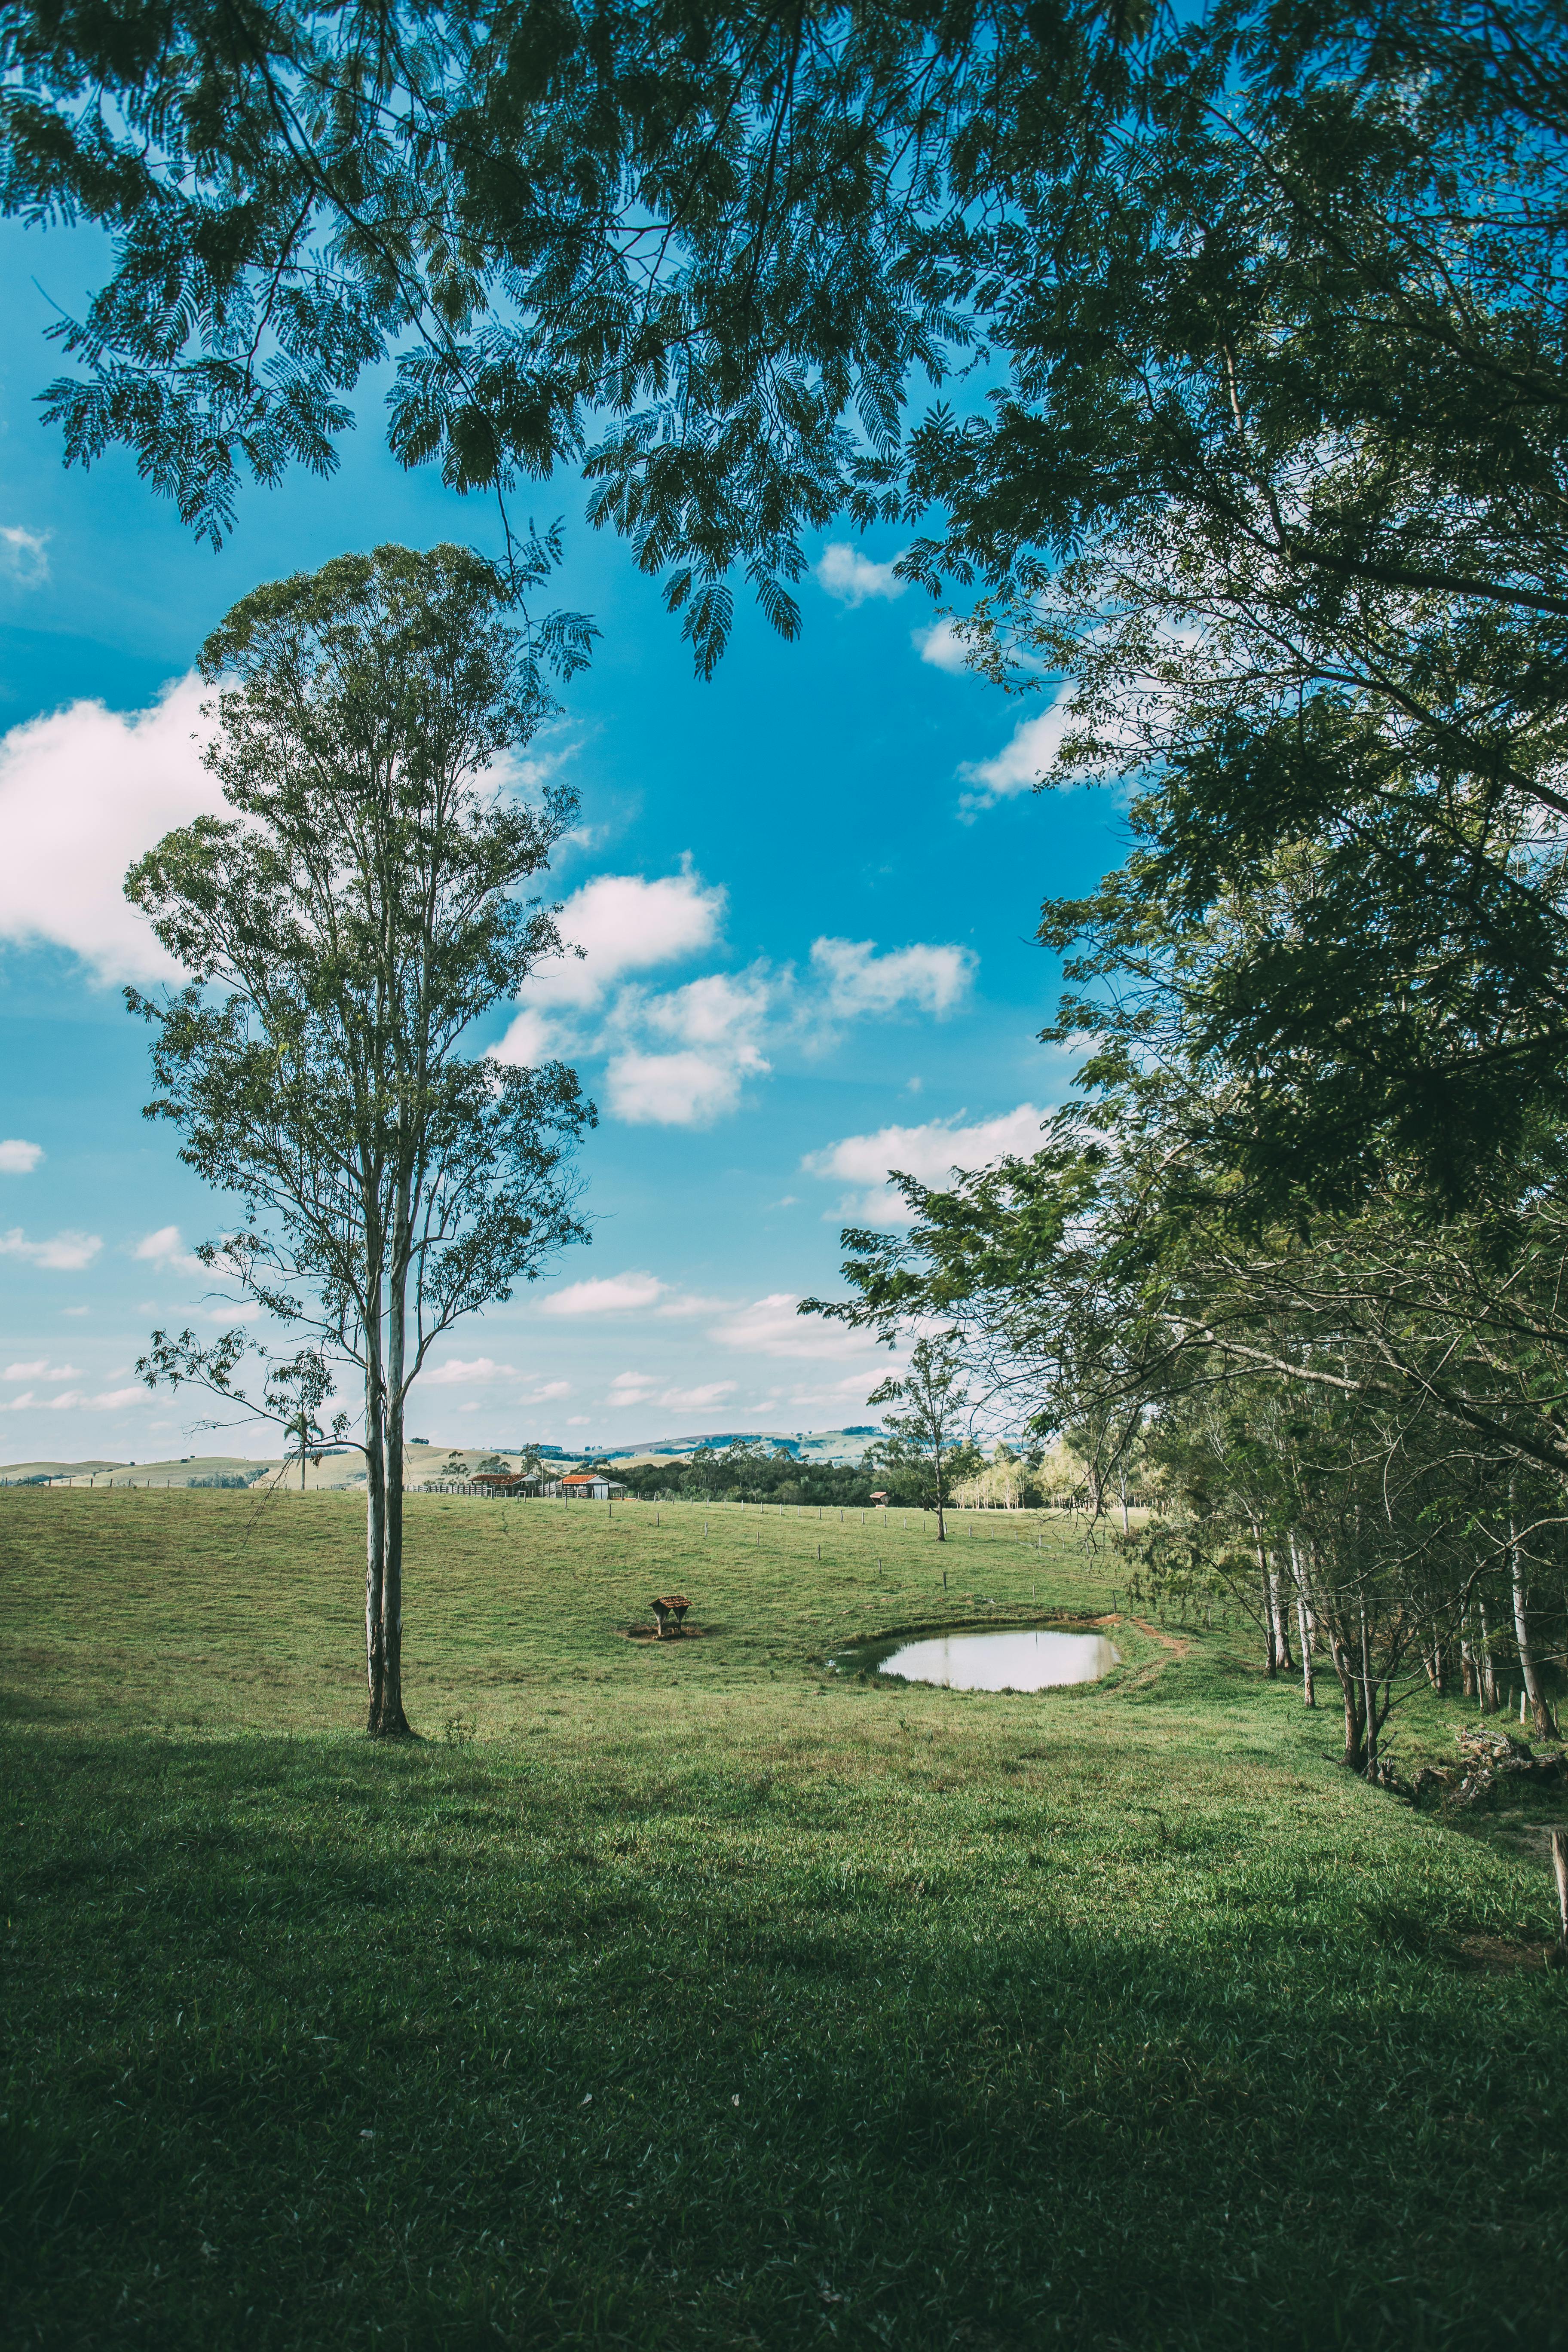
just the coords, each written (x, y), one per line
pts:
(758, 1473)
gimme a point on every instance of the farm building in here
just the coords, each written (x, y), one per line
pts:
(587, 1485)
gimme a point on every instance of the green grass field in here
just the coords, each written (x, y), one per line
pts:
(696, 1995)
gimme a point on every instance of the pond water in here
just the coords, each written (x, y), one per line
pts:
(1030, 1658)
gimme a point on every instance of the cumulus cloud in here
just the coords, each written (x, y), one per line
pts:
(681, 1056)
(697, 1399)
(714, 1011)
(548, 1391)
(461, 1372)
(1021, 761)
(611, 1294)
(40, 1369)
(644, 1388)
(83, 792)
(1035, 742)
(931, 1152)
(24, 555)
(852, 577)
(670, 1089)
(857, 980)
(163, 1248)
(718, 1023)
(623, 924)
(770, 1327)
(19, 1159)
(941, 647)
(64, 1252)
(71, 1400)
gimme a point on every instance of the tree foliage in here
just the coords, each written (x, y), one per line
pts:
(1268, 465)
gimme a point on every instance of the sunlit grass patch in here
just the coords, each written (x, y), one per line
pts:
(689, 1994)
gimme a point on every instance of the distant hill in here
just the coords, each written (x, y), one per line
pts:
(804, 1444)
(343, 1468)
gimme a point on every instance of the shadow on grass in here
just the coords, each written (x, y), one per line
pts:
(314, 2042)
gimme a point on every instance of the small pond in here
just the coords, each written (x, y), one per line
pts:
(1021, 1658)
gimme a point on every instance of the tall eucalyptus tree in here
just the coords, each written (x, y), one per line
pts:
(343, 930)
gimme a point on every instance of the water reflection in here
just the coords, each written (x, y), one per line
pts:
(1029, 1660)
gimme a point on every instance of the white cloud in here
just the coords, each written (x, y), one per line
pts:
(770, 1327)
(529, 1040)
(83, 792)
(19, 1159)
(859, 981)
(460, 1372)
(672, 1089)
(550, 1390)
(682, 1304)
(40, 1369)
(1021, 761)
(73, 1400)
(931, 1153)
(941, 645)
(613, 1293)
(162, 1248)
(24, 555)
(714, 1011)
(624, 923)
(64, 1252)
(719, 1021)
(643, 1387)
(852, 577)
(697, 1399)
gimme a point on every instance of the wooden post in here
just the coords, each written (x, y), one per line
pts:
(1560, 1867)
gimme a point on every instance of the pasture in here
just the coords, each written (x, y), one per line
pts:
(695, 1994)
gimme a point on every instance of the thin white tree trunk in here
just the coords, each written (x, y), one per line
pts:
(1488, 1665)
(1545, 1728)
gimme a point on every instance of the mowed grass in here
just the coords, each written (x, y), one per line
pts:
(695, 1995)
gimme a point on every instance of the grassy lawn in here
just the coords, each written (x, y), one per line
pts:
(696, 1994)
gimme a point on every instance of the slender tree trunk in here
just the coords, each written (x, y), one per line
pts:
(1303, 1620)
(1488, 1664)
(375, 1525)
(392, 1723)
(1545, 1728)
(1467, 1683)
(1271, 1643)
(1350, 1690)
(1369, 1705)
(1280, 1619)
(1308, 1681)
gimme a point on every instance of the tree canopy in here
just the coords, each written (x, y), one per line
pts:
(1222, 351)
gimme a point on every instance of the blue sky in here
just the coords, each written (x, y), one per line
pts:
(808, 890)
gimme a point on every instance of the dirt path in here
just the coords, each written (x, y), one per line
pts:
(1178, 1648)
